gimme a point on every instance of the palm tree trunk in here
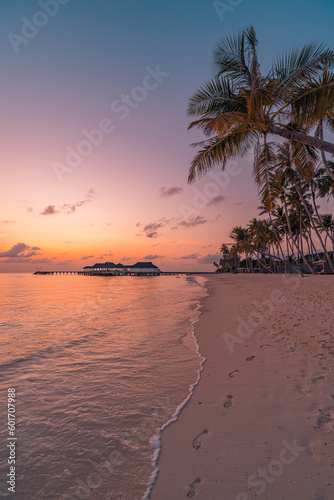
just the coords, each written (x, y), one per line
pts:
(301, 232)
(314, 250)
(293, 135)
(287, 263)
(302, 256)
(316, 210)
(310, 254)
(276, 234)
(289, 227)
(314, 226)
(323, 157)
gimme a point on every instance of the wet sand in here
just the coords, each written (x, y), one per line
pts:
(260, 421)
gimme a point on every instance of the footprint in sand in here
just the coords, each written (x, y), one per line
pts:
(192, 492)
(198, 440)
(325, 420)
(250, 358)
(229, 402)
(318, 380)
(233, 374)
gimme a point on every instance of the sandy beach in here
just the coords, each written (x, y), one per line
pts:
(259, 424)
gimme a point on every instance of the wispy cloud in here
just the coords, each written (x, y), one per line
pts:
(216, 201)
(150, 230)
(50, 210)
(105, 255)
(153, 257)
(194, 221)
(69, 208)
(171, 191)
(86, 257)
(24, 260)
(190, 257)
(8, 221)
(209, 259)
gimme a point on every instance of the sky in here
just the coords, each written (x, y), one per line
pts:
(95, 149)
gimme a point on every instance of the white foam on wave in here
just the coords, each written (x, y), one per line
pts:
(155, 440)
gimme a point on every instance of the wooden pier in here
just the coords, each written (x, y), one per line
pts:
(102, 273)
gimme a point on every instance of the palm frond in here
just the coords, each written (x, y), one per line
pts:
(217, 150)
(231, 59)
(315, 100)
(264, 172)
(214, 97)
(295, 68)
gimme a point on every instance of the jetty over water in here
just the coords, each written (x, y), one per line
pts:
(105, 273)
(111, 269)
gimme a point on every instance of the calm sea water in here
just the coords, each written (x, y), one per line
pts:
(99, 364)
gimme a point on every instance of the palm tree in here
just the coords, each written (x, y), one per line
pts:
(239, 106)
(227, 261)
(262, 238)
(327, 225)
(290, 165)
(243, 243)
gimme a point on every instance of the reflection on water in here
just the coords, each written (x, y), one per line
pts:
(99, 363)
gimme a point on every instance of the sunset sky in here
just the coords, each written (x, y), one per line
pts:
(72, 195)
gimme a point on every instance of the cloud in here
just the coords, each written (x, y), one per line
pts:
(90, 194)
(50, 210)
(21, 260)
(151, 230)
(87, 257)
(153, 257)
(20, 250)
(194, 221)
(209, 259)
(69, 208)
(216, 201)
(8, 221)
(190, 257)
(171, 191)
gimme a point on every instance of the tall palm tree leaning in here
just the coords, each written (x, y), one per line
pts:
(240, 107)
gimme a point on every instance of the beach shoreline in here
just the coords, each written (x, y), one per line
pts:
(259, 423)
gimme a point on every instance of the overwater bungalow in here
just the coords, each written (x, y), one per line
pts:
(144, 268)
(109, 268)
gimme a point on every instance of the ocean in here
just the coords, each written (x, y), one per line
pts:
(99, 366)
